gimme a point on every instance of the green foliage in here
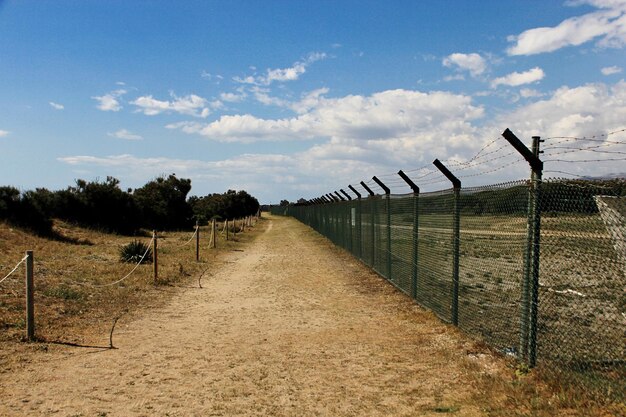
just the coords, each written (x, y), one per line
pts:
(24, 210)
(133, 252)
(229, 205)
(163, 203)
(101, 205)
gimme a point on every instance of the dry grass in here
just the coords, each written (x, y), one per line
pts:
(69, 305)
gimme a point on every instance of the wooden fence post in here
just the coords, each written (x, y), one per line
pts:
(155, 255)
(214, 245)
(197, 242)
(30, 304)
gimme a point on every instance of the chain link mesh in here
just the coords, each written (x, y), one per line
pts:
(580, 315)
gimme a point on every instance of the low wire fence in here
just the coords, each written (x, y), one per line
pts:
(535, 268)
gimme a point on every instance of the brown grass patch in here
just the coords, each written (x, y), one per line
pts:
(71, 305)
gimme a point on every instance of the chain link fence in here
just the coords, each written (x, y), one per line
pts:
(536, 269)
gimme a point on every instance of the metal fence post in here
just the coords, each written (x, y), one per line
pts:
(456, 239)
(388, 209)
(530, 283)
(372, 221)
(30, 299)
(358, 222)
(415, 241)
(534, 302)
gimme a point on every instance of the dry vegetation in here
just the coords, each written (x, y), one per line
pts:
(315, 302)
(73, 303)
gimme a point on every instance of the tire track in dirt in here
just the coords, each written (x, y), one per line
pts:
(290, 326)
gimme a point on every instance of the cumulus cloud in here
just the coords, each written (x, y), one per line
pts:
(611, 70)
(607, 25)
(586, 110)
(125, 134)
(282, 74)
(4, 133)
(515, 79)
(383, 115)
(359, 136)
(56, 106)
(191, 105)
(474, 63)
(110, 101)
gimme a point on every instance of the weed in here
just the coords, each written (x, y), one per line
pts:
(134, 251)
(63, 292)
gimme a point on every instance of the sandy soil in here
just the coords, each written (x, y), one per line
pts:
(290, 326)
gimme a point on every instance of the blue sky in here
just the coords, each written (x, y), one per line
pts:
(290, 99)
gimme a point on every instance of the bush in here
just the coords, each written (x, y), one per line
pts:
(133, 252)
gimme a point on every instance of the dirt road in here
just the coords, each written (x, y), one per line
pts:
(291, 326)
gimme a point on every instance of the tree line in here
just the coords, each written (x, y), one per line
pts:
(160, 204)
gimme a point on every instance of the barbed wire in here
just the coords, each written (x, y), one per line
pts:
(563, 172)
(587, 138)
(584, 160)
(486, 155)
(14, 269)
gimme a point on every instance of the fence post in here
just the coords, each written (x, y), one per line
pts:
(358, 222)
(415, 241)
(372, 221)
(227, 229)
(534, 305)
(349, 219)
(155, 254)
(197, 241)
(388, 210)
(30, 299)
(213, 235)
(530, 284)
(456, 238)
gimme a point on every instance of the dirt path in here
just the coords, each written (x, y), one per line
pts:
(291, 326)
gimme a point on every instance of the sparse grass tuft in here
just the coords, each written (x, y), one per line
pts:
(134, 252)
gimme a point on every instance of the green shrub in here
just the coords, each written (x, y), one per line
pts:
(133, 252)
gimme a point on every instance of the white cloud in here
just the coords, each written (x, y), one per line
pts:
(262, 96)
(191, 105)
(56, 106)
(396, 125)
(456, 77)
(4, 133)
(309, 100)
(515, 79)
(529, 93)
(232, 97)
(125, 134)
(361, 136)
(606, 25)
(474, 63)
(587, 110)
(611, 70)
(283, 74)
(209, 76)
(110, 101)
